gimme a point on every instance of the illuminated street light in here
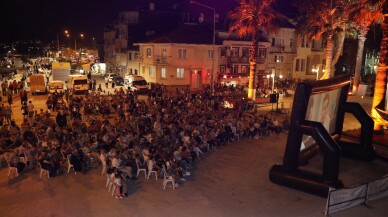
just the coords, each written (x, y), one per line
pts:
(316, 70)
(214, 41)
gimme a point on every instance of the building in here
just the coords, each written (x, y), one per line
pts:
(181, 58)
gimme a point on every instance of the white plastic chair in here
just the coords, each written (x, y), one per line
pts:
(42, 171)
(167, 178)
(151, 170)
(234, 130)
(141, 170)
(69, 165)
(11, 170)
(103, 161)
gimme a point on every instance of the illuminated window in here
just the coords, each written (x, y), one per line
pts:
(163, 73)
(180, 72)
(148, 52)
(152, 71)
(278, 59)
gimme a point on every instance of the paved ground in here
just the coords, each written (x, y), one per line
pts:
(232, 181)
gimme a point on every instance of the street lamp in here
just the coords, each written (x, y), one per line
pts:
(214, 41)
(75, 38)
(316, 70)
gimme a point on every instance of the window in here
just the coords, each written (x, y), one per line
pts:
(282, 42)
(245, 52)
(130, 56)
(273, 42)
(180, 72)
(262, 52)
(223, 52)
(323, 43)
(234, 51)
(278, 59)
(222, 68)
(235, 69)
(164, 52)
(292, 44)
(152, 71)
(135, 72)
(143, 69)
(244, 69)
(297, 65)
(302, 65)
(163, 73)
(210, 54)
(148, 52)
(182, 53)
(303, 41)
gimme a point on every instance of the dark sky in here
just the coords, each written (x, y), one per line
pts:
(44, 19)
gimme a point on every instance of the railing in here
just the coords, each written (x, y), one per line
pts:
(160, 60)
(234, 60)
(282, 49)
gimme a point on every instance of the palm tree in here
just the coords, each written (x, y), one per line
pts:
(379, 98)
(367, 13)
(325, 19)
(248, 18)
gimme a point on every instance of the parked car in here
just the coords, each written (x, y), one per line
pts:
(118, 80)
(109, 77)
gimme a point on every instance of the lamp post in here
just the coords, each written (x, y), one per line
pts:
(214, 42)
(75, 38)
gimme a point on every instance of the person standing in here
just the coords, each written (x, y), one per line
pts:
(8, 114)
(30, 108)
(10, 99)
(24, 110)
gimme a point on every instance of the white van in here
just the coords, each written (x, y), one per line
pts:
(56, 86)
(78, 83)
(136, 83)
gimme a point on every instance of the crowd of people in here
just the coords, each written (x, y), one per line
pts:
(166, 134)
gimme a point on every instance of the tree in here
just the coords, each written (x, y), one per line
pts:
(366, 13)
(248, 19)
(325, 19)
(380, 91)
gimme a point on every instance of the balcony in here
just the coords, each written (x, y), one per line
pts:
(281, 49)
(161, 60)
(238, 60)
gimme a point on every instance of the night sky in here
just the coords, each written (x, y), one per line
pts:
(44, 19)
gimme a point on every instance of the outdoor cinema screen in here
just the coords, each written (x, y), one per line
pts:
(322, 107)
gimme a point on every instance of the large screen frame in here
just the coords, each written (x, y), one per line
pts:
(327, 141)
